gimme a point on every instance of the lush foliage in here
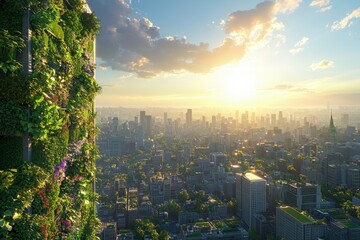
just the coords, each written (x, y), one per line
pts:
(51, 197)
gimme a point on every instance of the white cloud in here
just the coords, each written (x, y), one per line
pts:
(302, 42)
(323, 64)
(133, 44)
(325, 9)
(322, 5)
(287, 6)
(299, 46)
(296, 50)
(346, 21)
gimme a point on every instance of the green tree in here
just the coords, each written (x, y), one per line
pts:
(164, 235)
(232, 206)
(173, 208)
(183, 196)
(145, 227)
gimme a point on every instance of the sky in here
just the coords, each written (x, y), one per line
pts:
(228, 53)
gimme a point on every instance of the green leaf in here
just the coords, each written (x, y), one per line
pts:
(8, 213)
(16, 215)
(39, 98)
(2, 222)
(8, 226)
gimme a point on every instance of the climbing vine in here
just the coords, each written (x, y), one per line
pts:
(51, 197)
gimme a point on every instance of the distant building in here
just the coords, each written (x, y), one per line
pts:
(303, 197)
(157, 190)
(109, 231)
(332, 130)
(188, 117)
(291, 224)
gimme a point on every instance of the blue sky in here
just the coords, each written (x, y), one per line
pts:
(234, 53)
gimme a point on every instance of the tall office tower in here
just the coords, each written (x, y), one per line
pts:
(253, 118)
(253, 197)
(47, 128)
(147, 126)
(281, 120)
(273, 120)
(140, 135)
(213, 121)
(165, 118)
(188, 117)
(332, 130)
(245, 119)
(238, 182)
(115, 124)
(345, 120)
(142, 117)
(291, 224)
(136, 120)
(237, 115)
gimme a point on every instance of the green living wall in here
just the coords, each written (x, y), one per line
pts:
(50, 195)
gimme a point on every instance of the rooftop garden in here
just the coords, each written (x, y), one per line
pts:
(202, 225)
(297, 214)
(349, 224)
(194, 235)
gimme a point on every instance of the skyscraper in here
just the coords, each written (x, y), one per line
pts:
(189, 117)
(332, 129)
(142, 117)
(253, 197)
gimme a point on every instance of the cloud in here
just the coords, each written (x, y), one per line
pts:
(103, 68)
(346, 21)
(296, 50)
(130, 43)
(251, 25)
(288, 88)
(323, 64)
(286, 6)
(325, 9)
(302, 42)
(322, 5)
(298, 47)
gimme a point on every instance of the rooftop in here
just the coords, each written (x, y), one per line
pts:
(297, 214)
(253, 177)
(349, 224)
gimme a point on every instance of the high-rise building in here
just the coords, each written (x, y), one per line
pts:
(142, 117)
(332, 129)
(291, 224)
(253, 197)
(165, 118)
(147, 126)
(273, 120)
(188, 117)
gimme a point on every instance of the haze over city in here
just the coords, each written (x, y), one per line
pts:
(228, 53)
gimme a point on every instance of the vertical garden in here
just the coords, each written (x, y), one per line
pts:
(47, 131)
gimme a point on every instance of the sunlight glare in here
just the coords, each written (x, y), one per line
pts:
(238, 84)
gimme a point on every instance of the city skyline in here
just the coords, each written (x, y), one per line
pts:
(237, 54)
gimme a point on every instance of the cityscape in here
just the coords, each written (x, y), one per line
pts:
(179, 120)
(272, 175)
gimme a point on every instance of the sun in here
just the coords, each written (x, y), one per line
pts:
(237, 89)
(238, 85)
